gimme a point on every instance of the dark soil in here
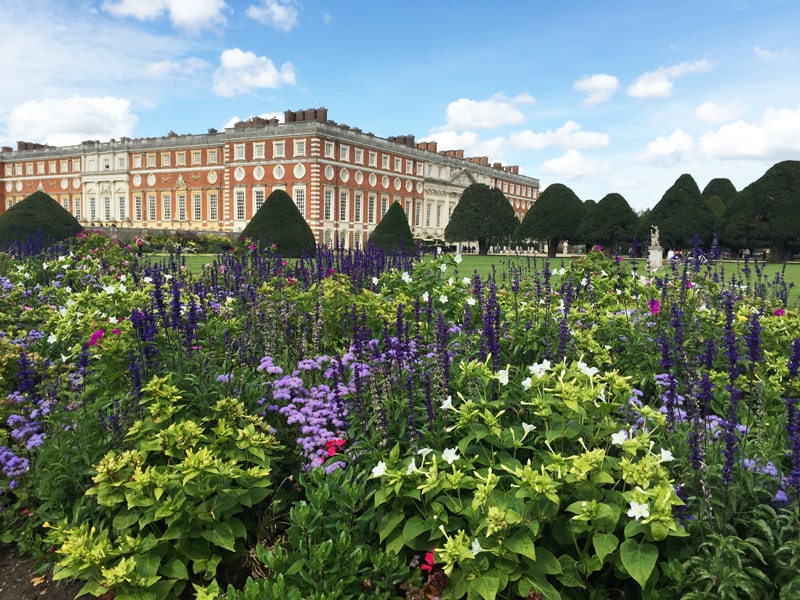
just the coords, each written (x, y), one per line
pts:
(23, 578)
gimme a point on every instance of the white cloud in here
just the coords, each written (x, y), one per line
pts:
(470, 143)
(242, 72)
(774, 55)
(568, 135)
(193, 15)
(69, 121)
(275, 13)
(667, 150)
(486, 114)
(775, 137)
(598, 88)
(169, 68)
(711, 112)
(658, 84)
(574, 165)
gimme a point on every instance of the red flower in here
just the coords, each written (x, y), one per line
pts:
(333, 446)
(428, 564)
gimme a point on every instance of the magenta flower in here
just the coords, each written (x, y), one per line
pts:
(779, 312)
(654, 306)
(96, 336)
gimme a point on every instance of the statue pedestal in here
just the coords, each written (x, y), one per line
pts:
(656, 257)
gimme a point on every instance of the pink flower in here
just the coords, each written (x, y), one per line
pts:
(96, 337)
(654, 306)
(779, 312)
(116, 331)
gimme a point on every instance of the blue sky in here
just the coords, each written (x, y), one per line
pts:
(613, 96)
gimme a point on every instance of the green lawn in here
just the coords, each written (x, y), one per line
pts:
(501, 265)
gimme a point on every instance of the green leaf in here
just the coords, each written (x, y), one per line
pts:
(638, 559)
(175, 568)
(546, 563)
(388, 523)
(124, 519)
(486, 584)
(413, 528)
(147, 564)
(222, 536)
(522, 543)
(604, 544)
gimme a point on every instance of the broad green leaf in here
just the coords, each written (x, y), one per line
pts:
(638, 559)
(147, 564)
(413, 528)
(388, 523)
(604, 544)
(485, 584)
(221, 535)
(125, 519)
(174, 568)
(522, 543)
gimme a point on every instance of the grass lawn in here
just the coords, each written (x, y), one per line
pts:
(500, 266)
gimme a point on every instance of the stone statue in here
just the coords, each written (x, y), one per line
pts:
(654, 243)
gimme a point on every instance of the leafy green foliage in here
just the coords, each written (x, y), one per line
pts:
(722, 188)
(767, 212)
(393, 232)
(484, 214)
(611, 223)
(555, 216)
(681, 214)
(37, 217)
(280, 223)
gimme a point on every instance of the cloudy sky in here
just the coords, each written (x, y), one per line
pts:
(614, 96)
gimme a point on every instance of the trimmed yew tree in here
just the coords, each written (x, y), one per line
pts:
(483, 214)
(555, 216)
(681, 214)
(393, 232)
(611, 223)
(37, 218)
(280, 223)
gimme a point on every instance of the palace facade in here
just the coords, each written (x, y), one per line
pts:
(342, 179)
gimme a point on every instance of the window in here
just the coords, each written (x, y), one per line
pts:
(212, 157)
(137, 161)
(29, 169)
(384, 205)
(166, 207)
(77, 204)
(327, 238)
(407, 208)
(51, 168)
(76, 165)
(279, 149)
(9, 169)
(420, 169)
(371, 208)
(299, 147)
(238, 152)
(181, 207)
(137, 207)
(438, 215)
(357, 239)
(166, 159)
(40, 168)
(197, 207)
(327, 206)
(409, 166)
(121, 163)
(151, 161)
(258, 199)
(92, 208)
(300, 200)
(428, 215)
(373, 159)
(106, 208)
(18, 169)
(329, 149)
(258, 150)
(196, 157)
(180, 159)
(64, 167)
(357, 200)
(151, 207)
(343, 207)
(106, 164)
(344, 153)
(385, 162)
(213, 206)
(239, 206)
(417, 212)
(398, 164)
(65, 203)
(359, 156)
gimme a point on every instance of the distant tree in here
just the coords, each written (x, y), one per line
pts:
(555, 217)
(611, 224)
(483, 214)
(681, 214)
(584, 236)
(393, 231)
(37, 217)
(717, 205)
(767, 212)
(721, 187)
(279, 222)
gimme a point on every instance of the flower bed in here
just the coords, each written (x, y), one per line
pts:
(364, 426)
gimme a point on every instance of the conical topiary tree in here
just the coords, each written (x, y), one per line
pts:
(393, 231)
(279, 222)
(37, 217)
